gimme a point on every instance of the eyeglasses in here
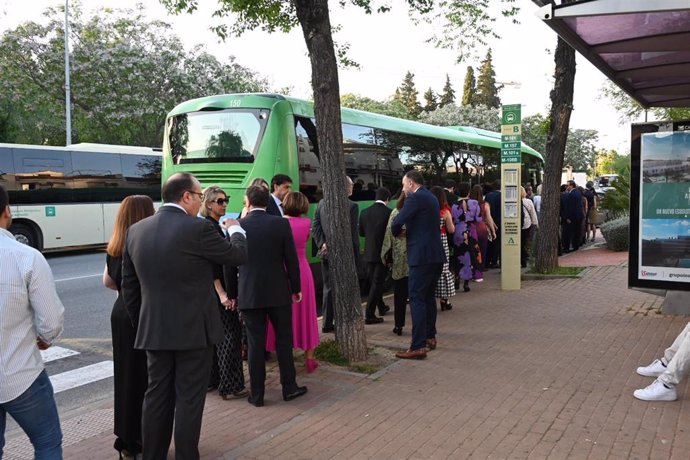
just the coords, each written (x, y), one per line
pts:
(222, 201)
(201, 195)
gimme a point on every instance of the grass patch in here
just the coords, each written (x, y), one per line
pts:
(377, 358)
(328, 351)
(568, 271)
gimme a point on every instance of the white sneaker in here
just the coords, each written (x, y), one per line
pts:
(478, 280)
(656, 392)
(653, 370)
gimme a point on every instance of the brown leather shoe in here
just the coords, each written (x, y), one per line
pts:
(431, 343)
(412, 354)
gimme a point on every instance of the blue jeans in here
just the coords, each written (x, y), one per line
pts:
(36, 413)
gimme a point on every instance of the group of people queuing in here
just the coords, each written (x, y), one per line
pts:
(189, 297)
(578, 213)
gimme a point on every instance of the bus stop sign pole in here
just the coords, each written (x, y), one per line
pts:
(511, 201)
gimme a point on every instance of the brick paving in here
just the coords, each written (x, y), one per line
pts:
(546, 372)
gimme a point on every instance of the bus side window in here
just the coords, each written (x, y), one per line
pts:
(38, 170)
(310, 175)
(6, 168)
(96, 177)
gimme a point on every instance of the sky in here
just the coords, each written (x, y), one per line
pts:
(387, 46)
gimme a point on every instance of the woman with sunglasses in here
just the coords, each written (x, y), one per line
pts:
(227, 374)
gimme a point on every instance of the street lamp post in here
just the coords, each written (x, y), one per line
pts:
(68, 121)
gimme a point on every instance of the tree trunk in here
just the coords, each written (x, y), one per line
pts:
(349, 322)
(561, 107)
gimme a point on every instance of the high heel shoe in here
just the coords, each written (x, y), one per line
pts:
(397, 330)
(444, 304)
(311, 364)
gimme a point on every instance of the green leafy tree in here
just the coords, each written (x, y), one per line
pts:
(580, 151)
(535, 129)
(630, 110)
(617, 201)
(469, 89)
(487, 90)
(430, 103)
(391, 107)
(127, 72)
(448, 94)
(407, 95)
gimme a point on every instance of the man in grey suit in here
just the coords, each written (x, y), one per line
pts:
(318, 232)
(267, 286)
(167, 288)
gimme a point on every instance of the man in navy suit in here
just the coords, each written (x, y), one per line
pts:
(420, 216)
(574, 214)
(267, 286)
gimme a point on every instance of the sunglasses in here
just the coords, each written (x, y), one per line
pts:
(222, 201)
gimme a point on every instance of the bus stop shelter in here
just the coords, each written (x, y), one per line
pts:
(643, 47)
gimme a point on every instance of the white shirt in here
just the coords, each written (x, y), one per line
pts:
(536, 199)
(530, 213)
(29, 308)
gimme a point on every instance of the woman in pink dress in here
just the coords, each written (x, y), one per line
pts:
(305, 329)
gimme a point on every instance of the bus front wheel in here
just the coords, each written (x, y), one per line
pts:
(24, 234)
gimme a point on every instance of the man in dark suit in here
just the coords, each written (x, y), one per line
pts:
(318, 232)
(494, 247)
(574, 213)
(418, 218)
(267, 286)
(281, 185)
(167, 289)
(372, 226)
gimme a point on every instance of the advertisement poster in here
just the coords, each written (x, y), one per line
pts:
(661, 198)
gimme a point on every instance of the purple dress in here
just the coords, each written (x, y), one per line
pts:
(466, 214)
(305, 328)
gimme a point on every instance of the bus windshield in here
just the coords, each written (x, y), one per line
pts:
(231, 135)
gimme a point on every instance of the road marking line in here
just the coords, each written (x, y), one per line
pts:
(82, 376)
(54, 353)
(78, 277)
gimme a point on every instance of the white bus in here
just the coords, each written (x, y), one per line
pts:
(67, 197)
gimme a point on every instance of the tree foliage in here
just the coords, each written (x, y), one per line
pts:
(447, 94)
(580, 150)
(465, 25)
(469, 89)
(630, 110)
(430, 103)
(127, 72)
(407, 95)
(487, 90)
(390, 107)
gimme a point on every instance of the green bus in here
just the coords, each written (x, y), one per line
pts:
(230, 139)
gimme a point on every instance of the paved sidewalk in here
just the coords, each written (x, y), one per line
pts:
(544, 372)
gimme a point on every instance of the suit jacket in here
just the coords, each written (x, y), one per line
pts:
(167, 279)
(271, 275)
(421, 216)
(272, 207)
(573, 209)
(372, 226)
(318, 228)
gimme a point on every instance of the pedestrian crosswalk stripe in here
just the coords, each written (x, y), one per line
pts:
(54, 353)
(82, 376)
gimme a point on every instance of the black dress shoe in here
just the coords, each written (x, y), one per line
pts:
(295, 394)
(256, 401)
(373, 320)
(397, 330)
(383, 310)
(327, 329)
